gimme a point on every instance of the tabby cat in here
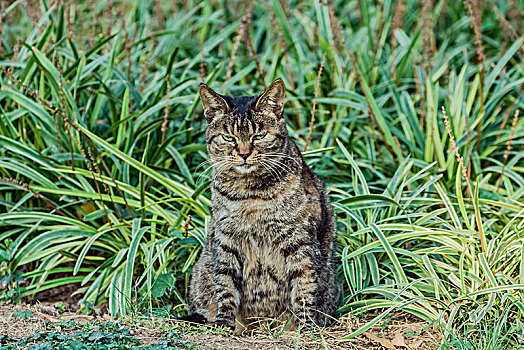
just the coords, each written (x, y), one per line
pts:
(270, 247)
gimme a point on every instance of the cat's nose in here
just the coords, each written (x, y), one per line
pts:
(245, 155)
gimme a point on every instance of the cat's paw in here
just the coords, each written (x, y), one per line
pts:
(225, 324)
(194, 318)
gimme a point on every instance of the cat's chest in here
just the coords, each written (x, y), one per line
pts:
(258, 216)
(255, 228)
(265, 290)
(259, 224)
(262, 258)
(255, 231)
(247, 209)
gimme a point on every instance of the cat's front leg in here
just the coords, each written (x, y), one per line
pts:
(228, 282)
(302, 278)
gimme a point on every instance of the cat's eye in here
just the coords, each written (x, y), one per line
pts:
(228, 138)
(259, 136)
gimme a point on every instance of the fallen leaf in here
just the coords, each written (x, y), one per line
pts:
(398, 340)
(415, 327)
(50, 310)
(51, 319)
(417, 344)
(382, 341)
(78, 318)
(88, 207)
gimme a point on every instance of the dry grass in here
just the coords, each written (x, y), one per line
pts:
(515, 16)
(243, 34)
(428, 39)
(159, 14)
(109, 11)
(475, 15)
(400, 329)
(246, 22)
(465, 174)
(474, 8)
(166, 110)
(92, 27)
(2, 10)
(508, 147)
(33, 12)
(313, 109)
(397, 23)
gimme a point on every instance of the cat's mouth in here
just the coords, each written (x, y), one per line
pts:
(245, 168)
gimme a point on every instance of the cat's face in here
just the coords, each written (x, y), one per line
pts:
(245, 134)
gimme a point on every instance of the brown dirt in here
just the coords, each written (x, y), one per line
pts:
(402, 331)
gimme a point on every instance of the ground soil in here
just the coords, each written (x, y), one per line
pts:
(401, 331)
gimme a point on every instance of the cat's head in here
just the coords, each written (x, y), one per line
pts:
(245, 134)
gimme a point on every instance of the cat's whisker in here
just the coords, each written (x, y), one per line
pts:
(277, 160)
(210, 160)
(217, 164)
(221, 169)
(265, 167)
(272, 161)
(220, 166)
(290, 167)
(221, 159)
(219, 173)
(272, 171)
(282, 155)
(280, 165)
(204, 163)
(280, 170)
(199, 176)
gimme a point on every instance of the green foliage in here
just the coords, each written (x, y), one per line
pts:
(106, 335)
(486, 335)
(164, 283)
(22, 314)
(10, 280)
(101, 138)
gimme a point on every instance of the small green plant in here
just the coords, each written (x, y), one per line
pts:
(22, 314)
(492, 336)
(164, 283)
(106, 335)
(60, 307)
(10, 278)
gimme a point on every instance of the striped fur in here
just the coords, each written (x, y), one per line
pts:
(270, 250)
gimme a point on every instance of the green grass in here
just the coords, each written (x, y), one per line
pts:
(101, 135)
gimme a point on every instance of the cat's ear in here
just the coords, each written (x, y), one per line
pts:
(214, 105)
(272, 100)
